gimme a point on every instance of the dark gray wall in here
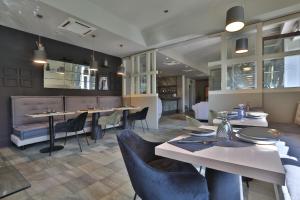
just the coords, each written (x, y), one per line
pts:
(19, 76)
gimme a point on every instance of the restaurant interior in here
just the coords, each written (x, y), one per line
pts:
(150, 100)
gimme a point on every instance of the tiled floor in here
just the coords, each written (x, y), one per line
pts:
(96, 173)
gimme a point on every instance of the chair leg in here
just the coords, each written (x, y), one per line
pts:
(87, 141)
(78, 141)
(142, 126)
(147, 124)
(66, 138)
(134, 198)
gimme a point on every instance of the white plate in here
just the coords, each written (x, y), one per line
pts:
(262, 142)
(202, 134)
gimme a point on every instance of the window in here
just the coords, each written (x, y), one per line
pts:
(215, 79)
(241, 76)
(282, 43)
(282, 73)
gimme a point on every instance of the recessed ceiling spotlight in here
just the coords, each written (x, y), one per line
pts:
(121, 45)
(171, 62)
(187, 70)
(166, 11)
(167, 58)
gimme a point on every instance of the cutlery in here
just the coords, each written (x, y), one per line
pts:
(197, 141)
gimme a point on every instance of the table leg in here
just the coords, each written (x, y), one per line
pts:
(52, 146)
(278, 192)
(125, 121)
(96, 130)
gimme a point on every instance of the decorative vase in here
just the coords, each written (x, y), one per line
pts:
(224, 129)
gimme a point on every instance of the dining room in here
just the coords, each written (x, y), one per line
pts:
(119, 100)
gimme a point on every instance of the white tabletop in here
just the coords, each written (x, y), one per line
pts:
(260, 162)
(127, 108)
(38, 115)
(95, 111)
(261, 122)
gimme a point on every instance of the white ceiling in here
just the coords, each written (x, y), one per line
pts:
(146, 13)
(141, 24)
(176, 70)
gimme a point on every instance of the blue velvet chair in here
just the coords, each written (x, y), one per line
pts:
(223, 185)
(153, 177)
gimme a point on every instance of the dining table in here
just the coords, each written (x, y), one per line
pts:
(52, 147)
(96, 113)
(247, 121)
(125, 111)
(261, 162)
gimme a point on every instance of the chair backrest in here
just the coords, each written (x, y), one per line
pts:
(150, 183)
(193, 122)
(143, 113)
(135, 159)
(78, 123)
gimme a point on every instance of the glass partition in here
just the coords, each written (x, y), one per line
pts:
(65, 75)
(215, 79)
(282, 73)
(241, 76)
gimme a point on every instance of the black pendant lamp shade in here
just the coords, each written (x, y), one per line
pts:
(94, 64)
(39, 55)
(235, 20)
(121, 70)
(241, 45)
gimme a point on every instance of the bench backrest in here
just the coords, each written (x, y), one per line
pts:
(22, 105)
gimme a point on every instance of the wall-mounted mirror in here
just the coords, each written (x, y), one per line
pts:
(59, 74)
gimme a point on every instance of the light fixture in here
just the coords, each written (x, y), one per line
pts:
(235, 19)
(94, 63)
(241, 45)
(246, 69)
(39, 55)
(121, 70)
(105, 63)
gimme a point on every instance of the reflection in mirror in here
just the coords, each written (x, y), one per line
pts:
(59, 74)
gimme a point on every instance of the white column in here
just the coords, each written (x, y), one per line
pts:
(223, 61)
(137, 75)
(183, 93)
(148, 74)
(124, 78)
(154, 74)
(132, 79)
(259, 56)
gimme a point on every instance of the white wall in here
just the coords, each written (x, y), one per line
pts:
(145, 101)
(281, 106)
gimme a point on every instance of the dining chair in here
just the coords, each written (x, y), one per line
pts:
(158, 178)
(75, 125)
(193, 122)
(141, 116)
(113, 119)
(223, 185)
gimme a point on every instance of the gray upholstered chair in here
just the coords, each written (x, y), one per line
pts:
(74, 125)
(158, 178)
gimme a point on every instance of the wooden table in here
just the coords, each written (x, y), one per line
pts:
(261, 162)
(260, 122)
(125, 114)
(96, 130)
(50, 116)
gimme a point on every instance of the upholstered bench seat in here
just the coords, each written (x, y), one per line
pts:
(31, 130)
(290, 134)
